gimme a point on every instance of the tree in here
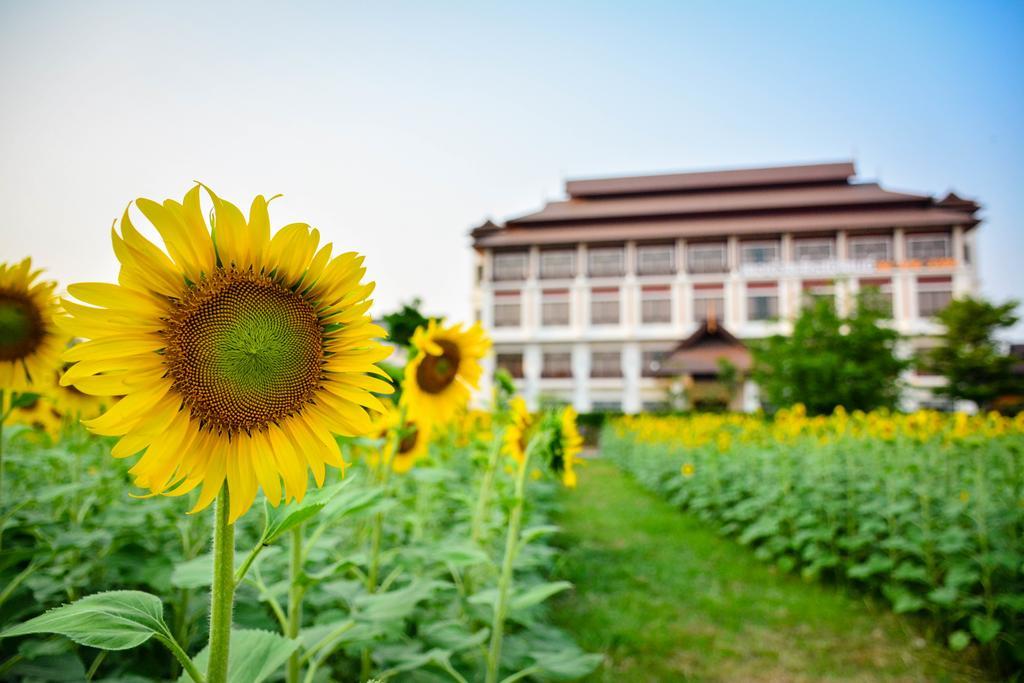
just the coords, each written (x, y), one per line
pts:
(402, 323)
(831, 360)
(969, 356)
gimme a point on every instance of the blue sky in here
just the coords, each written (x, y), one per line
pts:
(397, 128)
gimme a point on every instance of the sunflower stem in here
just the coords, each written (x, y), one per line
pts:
(295, 602)
(480, 512)
(377, 532)
(222, 594)
(511, 550)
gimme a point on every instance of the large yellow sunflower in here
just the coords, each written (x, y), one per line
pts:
(238, 354)
(438, 381)
(30, 345)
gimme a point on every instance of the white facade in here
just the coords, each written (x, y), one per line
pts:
(921, 269)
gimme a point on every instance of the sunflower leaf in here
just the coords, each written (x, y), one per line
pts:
(254, 656)
(116, 620)
(286, 517)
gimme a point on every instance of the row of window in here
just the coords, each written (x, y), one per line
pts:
(711, 257)
(933, 294)
(603, 364)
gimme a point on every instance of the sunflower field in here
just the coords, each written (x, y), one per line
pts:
(365, 524)
(926, 510)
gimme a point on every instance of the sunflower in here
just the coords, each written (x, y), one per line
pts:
(438, 381)
(516, 434)
(566, 445)
(410, 447)
(38, 413)
(73, 403)
(238, 354)
(30, 346)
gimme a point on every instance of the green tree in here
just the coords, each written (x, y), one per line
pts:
(831, 360)
(402, 323)
(969, 356)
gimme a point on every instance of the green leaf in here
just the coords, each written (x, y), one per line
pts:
(533, 533)
(254, 656)
(117, 620)
(286, 517)
(985, 629)
(453, 636)
(459, 554)
(568, 664)
(397, 604)
(538, 594)
(958, 640)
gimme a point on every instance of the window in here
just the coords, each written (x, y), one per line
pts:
(878, 294)
(556, 364)
(933, 294)
(813, 250)
(554, 307)
(759, 252)
(656, 259)
(708, 303)
(606, 364)
(606, 261)
(656, 304)
(706, 258)
(604, 306)
(510, 265)
(928, 247)
(871, 248)
(512, 363)
(819, 290)
(507, 309)
(762, 301)
(651, 362)
(558, 263)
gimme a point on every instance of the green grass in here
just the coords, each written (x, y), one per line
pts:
(667, 599)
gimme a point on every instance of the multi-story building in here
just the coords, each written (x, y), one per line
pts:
(625, 291)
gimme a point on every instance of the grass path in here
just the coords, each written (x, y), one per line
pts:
(669, 600)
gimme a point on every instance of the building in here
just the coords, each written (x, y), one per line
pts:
(618, 296)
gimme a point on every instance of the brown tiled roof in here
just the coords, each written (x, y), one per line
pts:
(816, 222)
(706, 180)
(719, 202)
(698, 354)
(807, 199)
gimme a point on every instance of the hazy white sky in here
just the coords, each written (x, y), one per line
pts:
(396, 129)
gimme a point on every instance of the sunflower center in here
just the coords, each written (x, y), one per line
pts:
(244, 351)
(436, 373)
(21, 326)
(408, 442)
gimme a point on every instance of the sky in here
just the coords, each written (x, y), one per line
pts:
(397, 127)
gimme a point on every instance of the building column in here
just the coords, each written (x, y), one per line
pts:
(581, 377)
(631, 378)
(531, 374)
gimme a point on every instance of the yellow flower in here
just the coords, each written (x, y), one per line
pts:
(30, 345)
(568, 445)
(238, 353)
(438, 381)
(38, 413)
(516, 437)
(412, 439)
(687, 470)
(965, 496)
